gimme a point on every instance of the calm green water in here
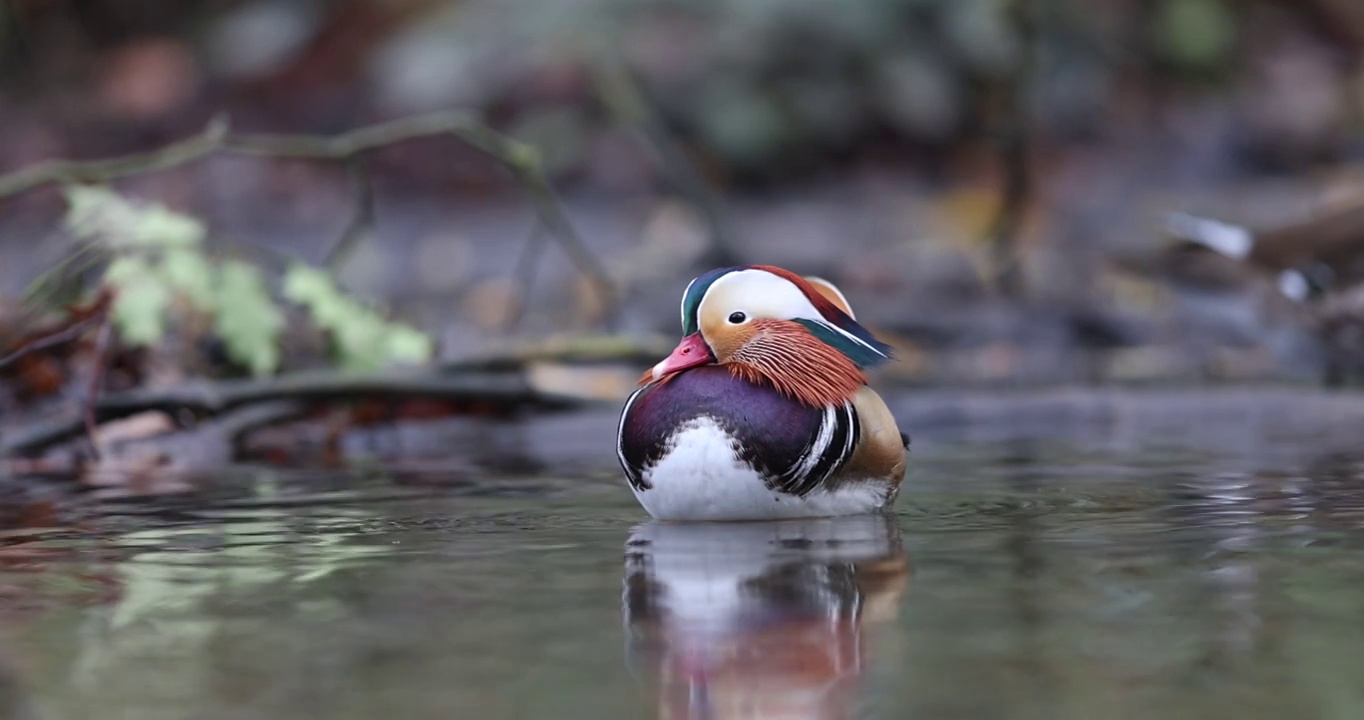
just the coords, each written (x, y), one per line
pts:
(1199, 568)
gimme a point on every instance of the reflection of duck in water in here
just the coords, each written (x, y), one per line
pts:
(760, 620)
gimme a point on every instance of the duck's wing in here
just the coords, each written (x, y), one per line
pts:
(881, 448)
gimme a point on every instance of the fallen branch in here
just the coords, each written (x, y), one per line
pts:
(143, 461)
(210, 444)
(521, 159)
(213, 398)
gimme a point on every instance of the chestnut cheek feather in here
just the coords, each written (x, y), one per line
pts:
(784, 355)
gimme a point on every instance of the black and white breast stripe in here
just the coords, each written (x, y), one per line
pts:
(632, 474)
(833, 445)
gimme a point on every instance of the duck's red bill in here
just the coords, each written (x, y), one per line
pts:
(689, 353)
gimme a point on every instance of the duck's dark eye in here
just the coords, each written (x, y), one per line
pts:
(737, 317)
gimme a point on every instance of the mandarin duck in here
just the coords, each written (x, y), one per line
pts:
(763, 409)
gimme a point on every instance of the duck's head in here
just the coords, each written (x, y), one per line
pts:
(771, 325)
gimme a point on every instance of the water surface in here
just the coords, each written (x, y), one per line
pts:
(1202, 563)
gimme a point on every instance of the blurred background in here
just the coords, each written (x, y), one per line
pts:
(1028, 198)
(996, 184)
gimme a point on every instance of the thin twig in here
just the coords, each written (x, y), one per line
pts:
(1008, 221)
(523, 275)
(76, 171)
(361, 223)
(82, 258)
(97, 381)
(362, 140)
(552, 214)
(60, 337)
(521, 159)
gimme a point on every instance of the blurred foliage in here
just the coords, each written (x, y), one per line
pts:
(246, 318)
(881, 134)
(161, 275)
(158, 256)
(760, 88)
(363, 339)
(1195, 33)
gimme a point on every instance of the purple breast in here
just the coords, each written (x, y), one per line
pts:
(771, 430)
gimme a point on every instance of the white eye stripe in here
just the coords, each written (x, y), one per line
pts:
(761, 295)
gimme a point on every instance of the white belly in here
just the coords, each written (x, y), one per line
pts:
(701, 479)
